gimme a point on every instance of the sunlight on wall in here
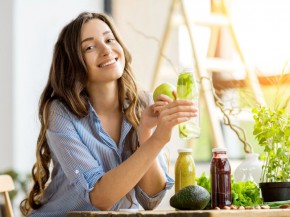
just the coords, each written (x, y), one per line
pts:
(262, 28)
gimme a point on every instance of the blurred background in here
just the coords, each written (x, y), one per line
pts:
(30, 28)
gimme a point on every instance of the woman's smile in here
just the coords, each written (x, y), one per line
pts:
(108, 62)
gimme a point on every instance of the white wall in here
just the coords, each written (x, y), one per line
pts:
(6, 84)
(141, 24)
(29, 30)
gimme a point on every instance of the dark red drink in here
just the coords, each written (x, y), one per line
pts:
(220, 171)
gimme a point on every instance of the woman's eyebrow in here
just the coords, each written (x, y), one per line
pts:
(107, 32)
(87, 39)
(92, 38)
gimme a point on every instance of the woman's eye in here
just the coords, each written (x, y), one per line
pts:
(111, 40)
(89, 48)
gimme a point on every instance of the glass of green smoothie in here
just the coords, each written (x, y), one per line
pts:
(187, 88)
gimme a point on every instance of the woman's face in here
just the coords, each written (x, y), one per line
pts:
(102, 54)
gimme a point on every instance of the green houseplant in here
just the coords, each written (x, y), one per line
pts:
(272, 131)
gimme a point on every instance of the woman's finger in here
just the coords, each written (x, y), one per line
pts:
(160, 103)
(177, 115)
(178, 108)
(159, 106)
(163, 97)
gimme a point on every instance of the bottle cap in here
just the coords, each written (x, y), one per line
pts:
(184, 150)
(187, 69)
(219, 149)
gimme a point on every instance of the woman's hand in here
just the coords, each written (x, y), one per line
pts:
(170, 115)
(149, 116)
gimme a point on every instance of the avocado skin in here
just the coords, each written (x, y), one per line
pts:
(192, 197)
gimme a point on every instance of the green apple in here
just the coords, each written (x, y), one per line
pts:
(166, 89)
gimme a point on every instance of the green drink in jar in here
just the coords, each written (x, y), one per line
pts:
(184, 169)
(187, 88)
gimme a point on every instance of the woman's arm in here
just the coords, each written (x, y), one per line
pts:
(117, 182)
(153, 180)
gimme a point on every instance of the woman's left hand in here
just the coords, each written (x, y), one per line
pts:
(149, 116)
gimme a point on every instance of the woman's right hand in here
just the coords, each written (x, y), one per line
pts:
(170, 115)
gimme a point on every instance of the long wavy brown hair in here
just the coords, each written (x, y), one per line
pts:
(67, 83)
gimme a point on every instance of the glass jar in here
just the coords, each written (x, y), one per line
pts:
(249, 169)
(187, 88)
(220, 176)
(184, 169)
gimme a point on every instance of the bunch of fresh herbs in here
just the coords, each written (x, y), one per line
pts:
(272, 131)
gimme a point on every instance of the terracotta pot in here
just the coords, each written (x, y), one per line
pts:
(275, 191)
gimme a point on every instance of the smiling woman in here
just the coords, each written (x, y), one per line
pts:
(102, 136)
(103, 55)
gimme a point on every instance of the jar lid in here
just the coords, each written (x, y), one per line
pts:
(187, 69)
(184, 150)
(219, 149)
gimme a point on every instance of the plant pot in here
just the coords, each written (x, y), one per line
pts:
(275, 191)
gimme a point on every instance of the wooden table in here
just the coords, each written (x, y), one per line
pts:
(203, 213)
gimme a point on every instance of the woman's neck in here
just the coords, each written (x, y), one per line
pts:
(104, 98)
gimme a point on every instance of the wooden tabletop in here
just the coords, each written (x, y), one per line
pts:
(201, 213)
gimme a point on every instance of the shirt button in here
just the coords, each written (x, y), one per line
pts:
(77, 172)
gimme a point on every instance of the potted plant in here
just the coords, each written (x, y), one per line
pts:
(272, 131)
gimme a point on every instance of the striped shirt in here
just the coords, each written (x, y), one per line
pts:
(82, 152)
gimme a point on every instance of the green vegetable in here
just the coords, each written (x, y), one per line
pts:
(245, 194)
(192, 197)
(277, 204)
(187, 129)
(204, 181)
(186, 86)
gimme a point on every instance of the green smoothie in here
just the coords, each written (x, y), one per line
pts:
(184, 169)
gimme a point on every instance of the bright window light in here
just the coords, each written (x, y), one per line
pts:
(262, 28)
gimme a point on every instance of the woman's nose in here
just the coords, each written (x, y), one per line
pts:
(107, 50)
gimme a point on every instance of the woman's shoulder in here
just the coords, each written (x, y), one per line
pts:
(57, 107)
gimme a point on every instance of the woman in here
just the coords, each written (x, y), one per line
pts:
(96, 128)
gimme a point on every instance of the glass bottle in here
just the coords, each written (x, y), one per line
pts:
(187, 88)
(220, 171)
(184, 169)
(249, 169)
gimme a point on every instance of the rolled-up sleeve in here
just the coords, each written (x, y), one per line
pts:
(74, 157)
(151, 202)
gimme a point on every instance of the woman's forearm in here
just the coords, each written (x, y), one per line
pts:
(117, 182)
(154, 180)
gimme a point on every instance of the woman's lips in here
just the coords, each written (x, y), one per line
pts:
(108, 62)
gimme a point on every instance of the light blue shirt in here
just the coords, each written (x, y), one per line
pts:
(82, 152)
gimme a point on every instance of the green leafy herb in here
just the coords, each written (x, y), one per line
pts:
(272, 131)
